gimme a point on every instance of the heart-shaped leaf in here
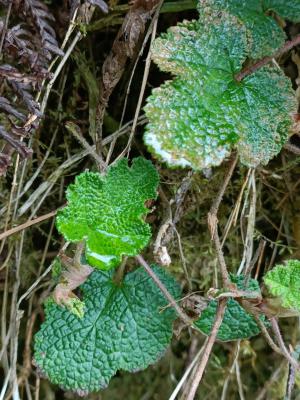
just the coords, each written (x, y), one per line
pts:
(123, 328)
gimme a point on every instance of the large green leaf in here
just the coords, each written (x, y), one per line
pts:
(123, 328)
(266, 35)
(237, 323)
(108, 211)
(195, 119)
(284, 281)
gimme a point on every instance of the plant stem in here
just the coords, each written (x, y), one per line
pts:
(27, 224)
(259, 64)
(212, 215)
(119, 275)
(222, 263)
(266, 334)
(164, 290)
(208, 348)
(292, 148)
(78, 254)
(294, 363)
(213, 222)
(75, 130)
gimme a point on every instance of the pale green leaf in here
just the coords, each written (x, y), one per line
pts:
(123, 328)
(196, 119)
(284, 281)
(108, 211)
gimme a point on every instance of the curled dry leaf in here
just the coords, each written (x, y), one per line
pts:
(71, 278)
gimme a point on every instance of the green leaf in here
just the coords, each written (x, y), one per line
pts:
(123, 328)
(284, 281)
(196, 119)
(108, 211)
(266, 105)
(266, 35)
(290, 10)
(237, 323)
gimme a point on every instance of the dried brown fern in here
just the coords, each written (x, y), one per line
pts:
(27, 49)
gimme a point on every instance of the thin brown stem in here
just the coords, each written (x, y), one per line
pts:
(222, 263)
(27, 224)
(4, 29)
(119, 275)
(75, 130)
(213, 222)
(208, 349)
(284, 350)
(292, 148)
(291, 380)
(164, 290)
(259, 64)
(266, 335)
(213, 212)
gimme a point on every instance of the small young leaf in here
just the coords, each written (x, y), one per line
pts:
(107, 211)
(237, 323)
(123, 328)
(198, 117)
(266, 35)
(284, 281)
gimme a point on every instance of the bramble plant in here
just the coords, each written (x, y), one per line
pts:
(214, 104)
(120, 324)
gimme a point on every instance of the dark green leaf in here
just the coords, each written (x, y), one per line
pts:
(123, 328)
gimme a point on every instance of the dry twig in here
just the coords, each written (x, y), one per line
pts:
(208, 349)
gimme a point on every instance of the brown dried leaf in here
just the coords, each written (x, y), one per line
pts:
(72, 277)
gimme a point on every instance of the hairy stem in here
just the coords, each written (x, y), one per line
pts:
(27, 224)
(260, 63)
(164, 290)
(294, 363)
(119, 275)
(213, 222)
(208, 348)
